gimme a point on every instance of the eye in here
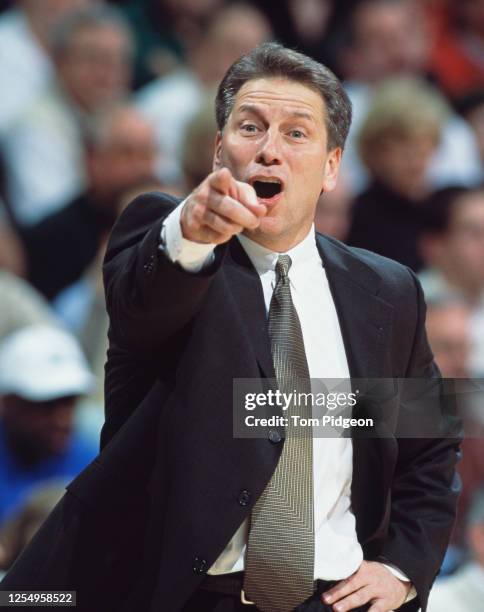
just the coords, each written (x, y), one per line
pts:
(298, 134)
(249, 128)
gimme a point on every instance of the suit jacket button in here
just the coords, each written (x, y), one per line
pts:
(200, 566)
(274, 436)
(148, 268)
(244, 497)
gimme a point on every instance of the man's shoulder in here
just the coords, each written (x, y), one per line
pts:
(356, 259)
(144, 215)
(144, 210)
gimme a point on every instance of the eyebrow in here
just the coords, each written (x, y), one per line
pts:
(251, 108)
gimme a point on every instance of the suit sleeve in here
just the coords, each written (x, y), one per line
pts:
(148, 297)
(425, 487)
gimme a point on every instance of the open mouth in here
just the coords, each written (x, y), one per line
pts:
(267, 189)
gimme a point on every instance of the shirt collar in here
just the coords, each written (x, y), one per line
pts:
(263, 259)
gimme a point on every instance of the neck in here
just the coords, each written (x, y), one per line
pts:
(278, 244)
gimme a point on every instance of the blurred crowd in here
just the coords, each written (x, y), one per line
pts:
(104, 100)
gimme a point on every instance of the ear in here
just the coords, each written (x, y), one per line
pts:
(217, 156)
(331, 168)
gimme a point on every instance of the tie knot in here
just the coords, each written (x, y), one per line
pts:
(283, 266)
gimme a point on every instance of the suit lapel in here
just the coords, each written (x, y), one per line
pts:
(365, 319)
(244, 283)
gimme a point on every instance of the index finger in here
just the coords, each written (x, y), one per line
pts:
(223, 182)
(247, 196)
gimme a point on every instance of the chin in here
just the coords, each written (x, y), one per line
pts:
(269, 233)
(270, 226)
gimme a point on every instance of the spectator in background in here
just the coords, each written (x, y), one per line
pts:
(457, 55)
(388, 38)
(42, 373)
(20, 305)
(384, 38)
(43, 150)
(19, 529)
(464, 590)
(120, 155)
(396, 142)
(171, 102)
(197, 147)
(453, 243)
(12, 257)
(25, 65)
(471, 108)
(305, 25)
(449, 326)
(166, 31)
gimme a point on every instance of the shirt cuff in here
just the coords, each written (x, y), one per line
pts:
(401, 576)
(192, 256)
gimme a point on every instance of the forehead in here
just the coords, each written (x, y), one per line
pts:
(99, 34)
(282, 95)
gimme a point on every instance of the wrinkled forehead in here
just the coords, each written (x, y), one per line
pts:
(280, 95)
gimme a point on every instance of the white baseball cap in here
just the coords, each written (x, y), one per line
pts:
(42, 362)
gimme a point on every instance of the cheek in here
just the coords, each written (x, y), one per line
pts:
(309, 179)
(236, 153)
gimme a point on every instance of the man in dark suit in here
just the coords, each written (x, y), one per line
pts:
(177, 512)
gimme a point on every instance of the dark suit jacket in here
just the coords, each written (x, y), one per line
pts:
(139, 528)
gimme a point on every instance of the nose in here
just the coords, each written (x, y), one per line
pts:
(269, 153)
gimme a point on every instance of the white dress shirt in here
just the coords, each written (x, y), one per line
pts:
(337, 551)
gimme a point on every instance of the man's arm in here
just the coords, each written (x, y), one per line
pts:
(149, 297)
(424, 494)
(426, 485)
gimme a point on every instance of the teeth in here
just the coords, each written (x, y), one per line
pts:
(268, 180)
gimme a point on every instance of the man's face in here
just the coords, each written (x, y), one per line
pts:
(448, 331)
(127, 157)
(39, 429)
(463, 245)
(96, 68)
(276, 140)
(390, 39)
(402, 163)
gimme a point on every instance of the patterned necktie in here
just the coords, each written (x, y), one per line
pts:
(279, 567)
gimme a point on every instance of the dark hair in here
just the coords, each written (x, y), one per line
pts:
(274, 60)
